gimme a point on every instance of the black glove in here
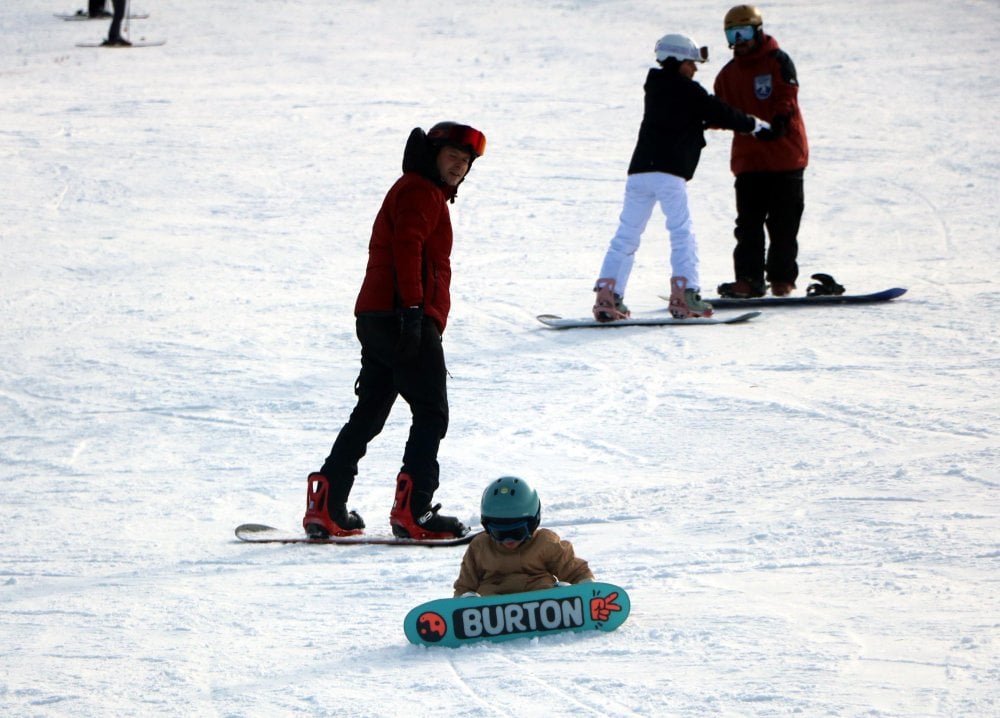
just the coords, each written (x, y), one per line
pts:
(779, 126)
(410, 330)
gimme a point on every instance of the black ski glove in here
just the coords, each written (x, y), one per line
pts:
(779, 126)
(410, 330)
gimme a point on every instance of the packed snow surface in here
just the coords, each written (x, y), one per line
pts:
(803, 509)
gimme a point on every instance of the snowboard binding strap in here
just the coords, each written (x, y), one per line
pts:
(825, 286)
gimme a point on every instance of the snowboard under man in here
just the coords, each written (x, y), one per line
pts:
(401, 313)
(513, 555)
(671, 135)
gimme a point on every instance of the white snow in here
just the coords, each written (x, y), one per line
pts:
(804, 509)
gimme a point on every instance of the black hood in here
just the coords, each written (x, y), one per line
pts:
(420, 156)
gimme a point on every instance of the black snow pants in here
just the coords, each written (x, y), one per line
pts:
(774, 200)
(422, 384)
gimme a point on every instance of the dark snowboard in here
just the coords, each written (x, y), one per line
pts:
(815, 301)
(259, 533)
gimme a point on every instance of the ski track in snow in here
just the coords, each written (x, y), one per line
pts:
(803, 509)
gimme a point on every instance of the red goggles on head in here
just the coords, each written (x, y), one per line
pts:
(463, 136)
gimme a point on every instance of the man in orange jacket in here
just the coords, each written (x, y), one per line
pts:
(401, 313)
(761, 80)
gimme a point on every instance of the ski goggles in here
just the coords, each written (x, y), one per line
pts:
(515, 531)
(460, 136)
(740, 33)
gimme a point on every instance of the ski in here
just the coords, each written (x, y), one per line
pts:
(557, 322)
(454, 622)
(135, 43)
(260, 533)
(82, 15)
(818, 300)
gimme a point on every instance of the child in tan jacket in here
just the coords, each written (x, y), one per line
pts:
(513, 554)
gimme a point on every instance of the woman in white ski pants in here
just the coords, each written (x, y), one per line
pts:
(642, 192)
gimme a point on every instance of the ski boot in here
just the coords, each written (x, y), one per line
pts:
(686, 302)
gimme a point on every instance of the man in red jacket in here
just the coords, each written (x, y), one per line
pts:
(761, 81)
(401, 312)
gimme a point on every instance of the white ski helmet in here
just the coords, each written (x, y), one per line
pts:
(681, 48)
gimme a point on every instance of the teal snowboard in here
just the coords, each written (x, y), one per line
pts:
(454, 622)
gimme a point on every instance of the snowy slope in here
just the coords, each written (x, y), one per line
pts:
(804, 508)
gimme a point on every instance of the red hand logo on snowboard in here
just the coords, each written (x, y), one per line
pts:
(602, 606)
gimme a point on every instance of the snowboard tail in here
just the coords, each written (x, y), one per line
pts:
(454, 622)
(261, 533)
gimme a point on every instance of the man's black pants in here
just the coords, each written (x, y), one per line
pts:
(422, 384)
(774, 200)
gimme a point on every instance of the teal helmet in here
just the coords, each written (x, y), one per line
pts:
(509, 503)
